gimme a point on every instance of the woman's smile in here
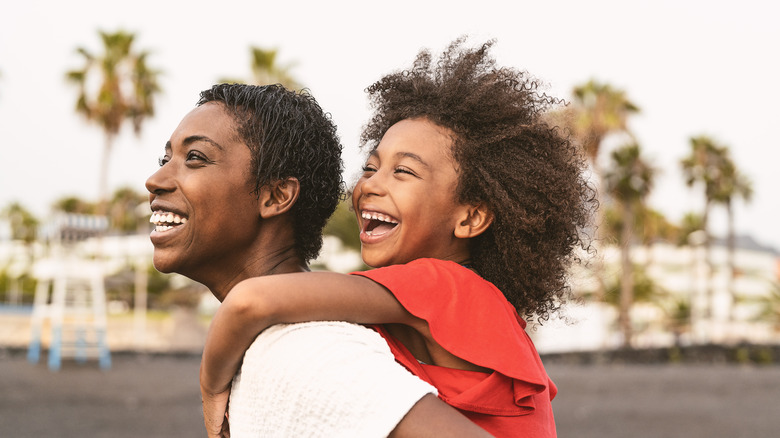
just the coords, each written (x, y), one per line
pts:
(165, 220)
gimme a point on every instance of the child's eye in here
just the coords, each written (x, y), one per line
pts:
(404, 170)
(369, 168)
(162, 160)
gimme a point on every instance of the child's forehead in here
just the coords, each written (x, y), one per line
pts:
(416, 134)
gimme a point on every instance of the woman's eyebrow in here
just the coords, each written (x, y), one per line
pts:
(195, 138)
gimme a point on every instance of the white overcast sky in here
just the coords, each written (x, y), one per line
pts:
(694, 67)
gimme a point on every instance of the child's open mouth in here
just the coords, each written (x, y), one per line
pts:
(377, 224)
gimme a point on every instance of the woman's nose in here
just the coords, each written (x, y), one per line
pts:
(160, 181)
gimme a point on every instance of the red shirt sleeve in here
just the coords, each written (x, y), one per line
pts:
(470, 318)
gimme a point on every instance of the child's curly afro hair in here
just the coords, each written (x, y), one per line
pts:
(528, 173)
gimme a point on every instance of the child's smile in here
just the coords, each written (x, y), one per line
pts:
(376, 225)
(405, 199)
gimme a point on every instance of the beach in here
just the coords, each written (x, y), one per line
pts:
(157, 395)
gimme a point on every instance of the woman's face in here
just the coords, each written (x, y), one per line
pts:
(205, 213)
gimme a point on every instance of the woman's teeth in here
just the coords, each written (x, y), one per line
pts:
(165, 220)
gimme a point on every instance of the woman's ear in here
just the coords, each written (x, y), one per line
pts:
(478, 218)
(278, 197)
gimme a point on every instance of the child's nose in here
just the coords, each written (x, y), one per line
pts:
(372, 185)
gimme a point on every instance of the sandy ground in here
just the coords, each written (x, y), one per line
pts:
(660, 401)
(140, 396)
(157, 396)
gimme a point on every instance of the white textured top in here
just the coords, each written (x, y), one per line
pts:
(321, 379)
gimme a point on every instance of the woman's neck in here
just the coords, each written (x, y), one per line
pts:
(281, 261)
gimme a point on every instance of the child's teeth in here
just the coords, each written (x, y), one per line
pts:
(378, 217)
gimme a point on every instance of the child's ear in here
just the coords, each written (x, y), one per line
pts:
(278, 197)
(478, 218)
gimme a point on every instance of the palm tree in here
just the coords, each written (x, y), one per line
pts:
(732, 184)
(690, 236)
(265, 70)
(706, 165)
(644, 289)
(74, 204)
(691, 223)
(769, 306)
(123, 209)
(654, 226)
(597, 111)
(651, 226)
(24, 227)
(24, 224)
(678, 318)
(125, 91)
(343, 224)
(628, 180)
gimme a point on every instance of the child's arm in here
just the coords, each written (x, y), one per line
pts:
(258, 303)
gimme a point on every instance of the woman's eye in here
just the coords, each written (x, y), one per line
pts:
(162, 160)
(192, 155)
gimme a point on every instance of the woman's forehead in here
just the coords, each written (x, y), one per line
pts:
(209, 120)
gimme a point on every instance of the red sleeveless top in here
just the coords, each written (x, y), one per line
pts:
(472, 319)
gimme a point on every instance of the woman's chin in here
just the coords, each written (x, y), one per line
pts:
(163, 264)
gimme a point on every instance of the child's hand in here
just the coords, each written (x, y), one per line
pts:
(215, 414)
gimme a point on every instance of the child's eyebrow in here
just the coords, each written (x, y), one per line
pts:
(413, 156)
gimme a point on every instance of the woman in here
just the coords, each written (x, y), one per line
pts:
(247, 182)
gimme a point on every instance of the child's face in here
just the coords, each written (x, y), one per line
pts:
(405, 199)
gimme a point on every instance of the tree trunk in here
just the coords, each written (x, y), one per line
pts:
(626, 275)
(102, 207)
(708, 290)
(732, 266)
(598, 235)
(140, 302)
(693, 297)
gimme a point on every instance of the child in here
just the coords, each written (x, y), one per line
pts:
(470, 206)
